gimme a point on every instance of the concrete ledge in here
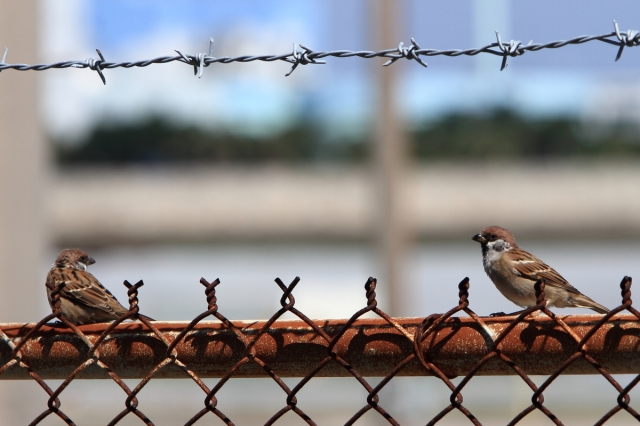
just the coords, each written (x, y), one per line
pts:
(245, 203)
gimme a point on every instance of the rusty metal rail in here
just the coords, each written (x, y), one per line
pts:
(457, 343)
(293, 348)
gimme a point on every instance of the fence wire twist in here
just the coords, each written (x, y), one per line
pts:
(302, 55)
(418, 341)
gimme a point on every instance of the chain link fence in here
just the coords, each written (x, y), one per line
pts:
(458, 343)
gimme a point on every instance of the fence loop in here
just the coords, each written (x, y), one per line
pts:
(625, 286)
(287, 293)
(370, 287)
(210, 291)
(463, 292)
(539, 288)
(55, 295)
(132, 292)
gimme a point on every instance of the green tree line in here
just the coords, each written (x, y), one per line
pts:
(495, 135)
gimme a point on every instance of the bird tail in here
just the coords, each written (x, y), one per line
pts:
(584, 302)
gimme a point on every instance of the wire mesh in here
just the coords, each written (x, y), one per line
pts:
(419, 350)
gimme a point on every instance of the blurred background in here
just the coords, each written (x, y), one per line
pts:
(336, 173)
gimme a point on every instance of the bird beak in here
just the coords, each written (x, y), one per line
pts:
(91, 261)
(479, 238)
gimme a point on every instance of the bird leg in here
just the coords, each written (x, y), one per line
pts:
(502, 314)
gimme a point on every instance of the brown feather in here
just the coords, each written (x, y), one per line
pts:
(530, 267)
(82, 287)
(83, 300)
(514, 272)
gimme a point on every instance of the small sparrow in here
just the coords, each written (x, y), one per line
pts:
(514, 272)
(83, 300)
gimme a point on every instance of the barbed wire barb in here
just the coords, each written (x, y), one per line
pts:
(414, 55)
(302, 58)
(198, 61)
(631, 38)
(513, 49)
(4, 56)
(96, 65)
(210, 47)
(407, 53)
(202, 60)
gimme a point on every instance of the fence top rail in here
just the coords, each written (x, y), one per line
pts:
(293, 348)
(17, 330)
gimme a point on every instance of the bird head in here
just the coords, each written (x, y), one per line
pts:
(494, 237)
(74, 258)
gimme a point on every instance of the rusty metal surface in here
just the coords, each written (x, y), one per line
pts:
(293, 348)
(457, 343)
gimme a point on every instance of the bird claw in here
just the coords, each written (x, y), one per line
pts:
(497, 314)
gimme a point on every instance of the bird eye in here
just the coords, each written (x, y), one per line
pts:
(493, 237)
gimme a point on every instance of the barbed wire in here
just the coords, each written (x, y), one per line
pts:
(302, 55)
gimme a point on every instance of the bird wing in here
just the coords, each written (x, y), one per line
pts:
(528, 266)
(84, 288)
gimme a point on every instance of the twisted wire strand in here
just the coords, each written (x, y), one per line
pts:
(302, 55)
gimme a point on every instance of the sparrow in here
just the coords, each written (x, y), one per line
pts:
(83, 300)
(515, 271)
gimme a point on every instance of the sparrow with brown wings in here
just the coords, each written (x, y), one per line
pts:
(514, 272)
(83, 300)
